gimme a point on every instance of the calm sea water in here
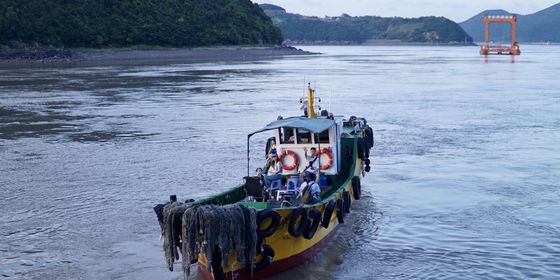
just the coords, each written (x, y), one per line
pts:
(464, 184)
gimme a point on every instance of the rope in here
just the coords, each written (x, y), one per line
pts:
(202, 229)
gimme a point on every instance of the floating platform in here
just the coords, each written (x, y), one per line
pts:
(486, 48)
(509, 50)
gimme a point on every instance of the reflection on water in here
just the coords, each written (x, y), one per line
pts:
(465, 169)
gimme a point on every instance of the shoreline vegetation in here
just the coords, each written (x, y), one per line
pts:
(189, 31)
(346, 29)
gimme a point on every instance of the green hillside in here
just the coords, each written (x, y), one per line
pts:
(102, 23)
(541, 26)
(348, 29)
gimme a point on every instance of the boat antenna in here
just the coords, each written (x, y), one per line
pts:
(330, 99)
(304, 86)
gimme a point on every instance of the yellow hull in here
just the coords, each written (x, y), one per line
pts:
(286, 246)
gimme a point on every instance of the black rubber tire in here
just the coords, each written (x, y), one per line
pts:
(311, 228)
(347, 201)
(366, 144)
(368, 168)
(274, 224)
(298, 214)
(340, 211)
(370, 140)
(367, 161)
(366, 138)
(266, 260)
(259, 244)
(361, 148)
(356, 187)
(327, 214)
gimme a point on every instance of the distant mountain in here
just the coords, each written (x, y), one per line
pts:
(542, 26)
(122, 23)
(346, 29)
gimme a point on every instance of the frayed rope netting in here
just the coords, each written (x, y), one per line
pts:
(209, 229)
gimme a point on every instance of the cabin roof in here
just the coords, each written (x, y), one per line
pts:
(314, 125)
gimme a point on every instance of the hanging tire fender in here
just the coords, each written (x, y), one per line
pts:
(356, 187)
(340, 210)
(347, 201)
(301, 215)
(368, 140)
(311, 228)
(327, 213)
(268, 256)
(274, 223)
(371, 138)
(361, 148)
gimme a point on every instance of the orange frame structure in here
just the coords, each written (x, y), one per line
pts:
(486, 48)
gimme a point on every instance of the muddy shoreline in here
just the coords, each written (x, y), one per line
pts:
(41, 56)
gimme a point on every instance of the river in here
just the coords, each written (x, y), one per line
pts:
(465, 169)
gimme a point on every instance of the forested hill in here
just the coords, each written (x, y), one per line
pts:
(347, 29)
(100, 23)
(542, 26)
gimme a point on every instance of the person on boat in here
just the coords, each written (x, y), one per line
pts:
(310, 191)
(272, 152)
(270, 155)
(274, 171)
(304, 108)
(291, 140)
(313, 160)
(259, 174)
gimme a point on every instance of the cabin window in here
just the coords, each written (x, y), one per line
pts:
(287, 135)
(322, 138)
(303, 136)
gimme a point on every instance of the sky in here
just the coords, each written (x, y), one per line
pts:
(456, 10)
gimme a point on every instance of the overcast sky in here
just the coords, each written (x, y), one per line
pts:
(457, 10)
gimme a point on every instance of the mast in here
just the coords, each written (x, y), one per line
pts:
(310, 111)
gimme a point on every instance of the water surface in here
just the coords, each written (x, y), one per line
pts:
(464, 182)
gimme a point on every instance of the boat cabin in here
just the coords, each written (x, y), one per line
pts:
(296, 135)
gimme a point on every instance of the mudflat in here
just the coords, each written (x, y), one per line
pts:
(37, 56)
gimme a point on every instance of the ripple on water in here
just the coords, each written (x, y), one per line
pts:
(465, 169)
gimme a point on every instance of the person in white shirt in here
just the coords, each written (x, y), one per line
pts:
(312, 161)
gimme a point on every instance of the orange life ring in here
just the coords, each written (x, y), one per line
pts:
(329, 162)
(295, 160)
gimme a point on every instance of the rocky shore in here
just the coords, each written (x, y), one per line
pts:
(40, 55)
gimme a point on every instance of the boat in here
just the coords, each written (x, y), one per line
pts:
(253, 231)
